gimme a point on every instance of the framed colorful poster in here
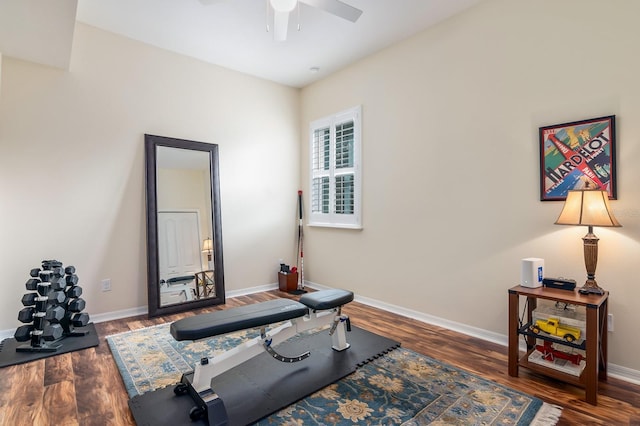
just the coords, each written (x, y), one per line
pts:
(578, 155)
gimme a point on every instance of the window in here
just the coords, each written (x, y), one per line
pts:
(335, 170)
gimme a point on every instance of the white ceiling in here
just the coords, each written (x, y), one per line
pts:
(229, 33)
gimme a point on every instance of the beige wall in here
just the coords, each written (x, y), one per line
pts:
(451, 161)
(72, 165)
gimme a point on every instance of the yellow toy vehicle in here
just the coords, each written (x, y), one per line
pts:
(553, 327)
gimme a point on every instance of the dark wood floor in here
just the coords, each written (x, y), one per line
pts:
(85, 388)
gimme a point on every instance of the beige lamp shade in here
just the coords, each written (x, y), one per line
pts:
(207, 246)
(587, 207)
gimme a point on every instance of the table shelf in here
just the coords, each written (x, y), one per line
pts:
(526, 331)
(594, 344)
(551, 372)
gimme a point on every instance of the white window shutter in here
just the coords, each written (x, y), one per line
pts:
(335, 177)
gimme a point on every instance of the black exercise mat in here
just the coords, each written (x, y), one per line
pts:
(9, 356)
(262, 385)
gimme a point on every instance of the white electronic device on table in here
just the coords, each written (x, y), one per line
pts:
(532, 272)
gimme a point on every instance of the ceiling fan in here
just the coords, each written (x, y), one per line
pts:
(283, 8)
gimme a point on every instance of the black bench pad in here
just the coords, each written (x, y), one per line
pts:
(176, 280)
(235, 319)
(326, 299)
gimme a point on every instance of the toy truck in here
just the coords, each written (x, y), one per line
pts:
(549, 353)
(554, 328)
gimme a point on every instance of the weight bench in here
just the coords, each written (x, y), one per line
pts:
(179, 285)
(314, 310)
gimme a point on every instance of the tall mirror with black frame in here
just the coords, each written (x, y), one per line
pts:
(184, 231)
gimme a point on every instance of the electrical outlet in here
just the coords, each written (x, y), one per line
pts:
(610, 322)
(106, 284)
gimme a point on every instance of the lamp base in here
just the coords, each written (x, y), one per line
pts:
(591, 287)
(591, 290)
(590, 261)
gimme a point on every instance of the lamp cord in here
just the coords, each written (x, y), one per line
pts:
(524, 308)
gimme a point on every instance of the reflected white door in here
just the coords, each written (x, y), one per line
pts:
(179, 244)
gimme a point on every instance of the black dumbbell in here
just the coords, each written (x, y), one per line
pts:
(70, 270)
(73, 292)
(49, 264)
(48, 296)
(32, 284)
(44, 288)
(76, 305)
(55, 314)
(57, 296)
(35, 272)
(23, 333)
(52, 332)
(71, 279)
(58, 271)
(80, 320)
(29, 299)
(26, 314)
(42, 303)
(38, 321)
(45, 275)
(57, 283)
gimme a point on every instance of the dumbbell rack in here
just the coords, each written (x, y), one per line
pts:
(52, 309)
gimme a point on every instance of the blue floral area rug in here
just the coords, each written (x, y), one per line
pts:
(399, 388)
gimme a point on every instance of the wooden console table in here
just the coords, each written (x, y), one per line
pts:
(595, 341)
(205, 284)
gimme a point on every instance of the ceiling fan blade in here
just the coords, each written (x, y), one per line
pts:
(280, 25)
(336, 7)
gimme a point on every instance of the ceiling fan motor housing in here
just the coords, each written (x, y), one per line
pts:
(283, 5)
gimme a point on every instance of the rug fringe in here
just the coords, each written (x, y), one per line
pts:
(548, 415)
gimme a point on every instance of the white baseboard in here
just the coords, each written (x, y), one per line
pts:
(243, 292)
(613, 370)
(433, 320)
(623, 373)
(124, 313)
(429, 319)
(616, 371)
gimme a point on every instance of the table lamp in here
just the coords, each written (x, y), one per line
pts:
(591, 208)
(207, 247)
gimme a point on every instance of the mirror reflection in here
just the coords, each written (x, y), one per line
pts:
(184, 227)
(185, 246)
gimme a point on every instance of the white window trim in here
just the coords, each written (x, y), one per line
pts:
(333, 220)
